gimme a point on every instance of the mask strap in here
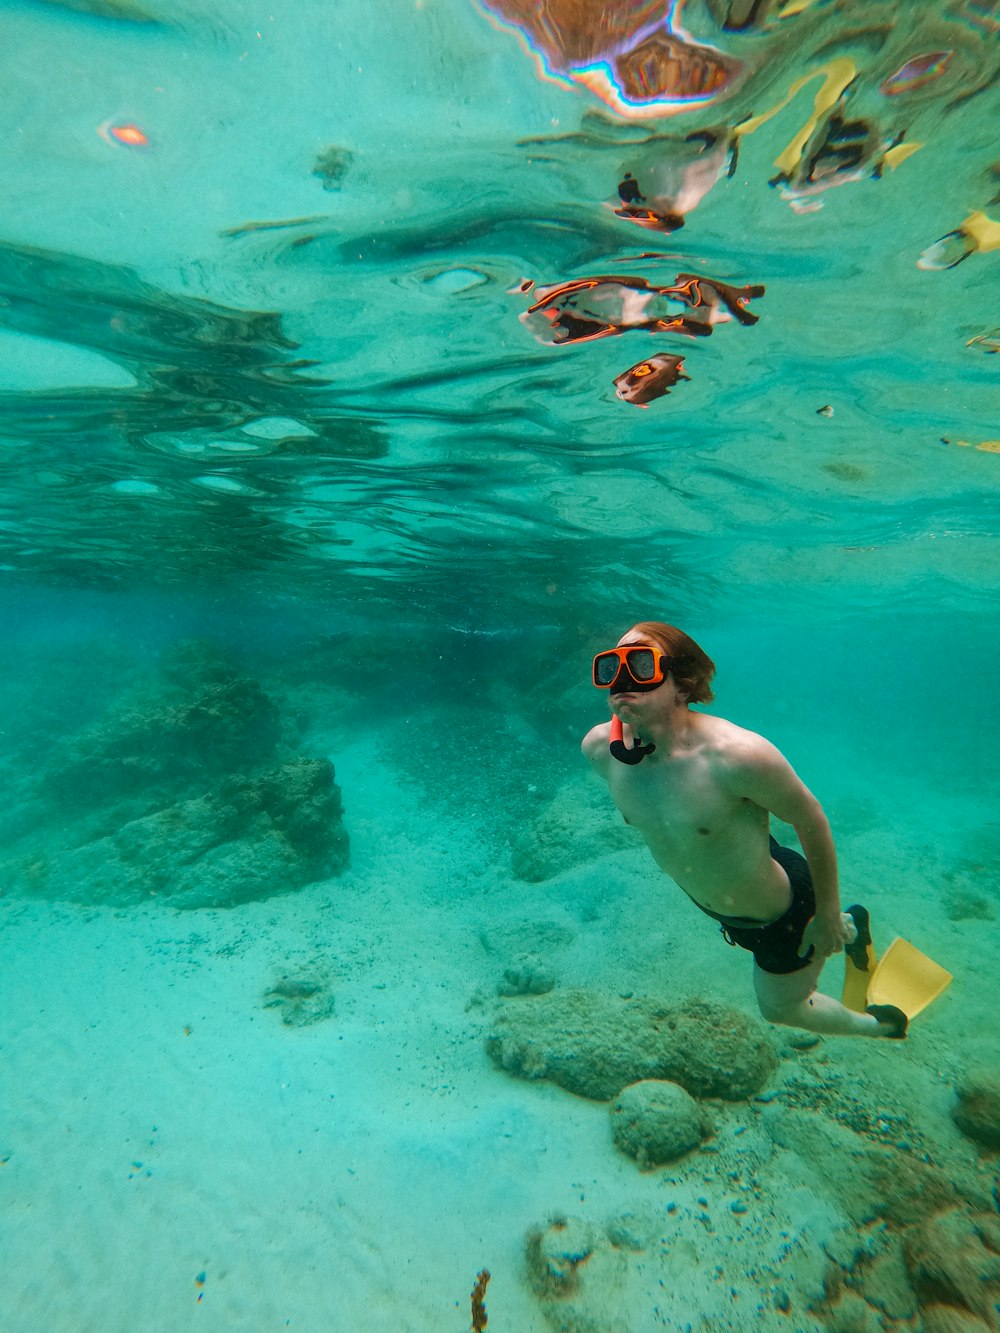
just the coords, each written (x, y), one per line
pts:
(621, 751)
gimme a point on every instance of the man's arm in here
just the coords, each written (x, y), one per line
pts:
(763, 775)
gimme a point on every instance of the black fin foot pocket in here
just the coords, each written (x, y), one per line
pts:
(858, 951)
(888, 1013)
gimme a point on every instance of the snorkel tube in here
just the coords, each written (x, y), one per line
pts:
(621, 751)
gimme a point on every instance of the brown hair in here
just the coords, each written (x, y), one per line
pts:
(691, 667)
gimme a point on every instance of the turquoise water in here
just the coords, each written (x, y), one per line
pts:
(309, 458)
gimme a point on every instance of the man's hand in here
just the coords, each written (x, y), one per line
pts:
(826, 934)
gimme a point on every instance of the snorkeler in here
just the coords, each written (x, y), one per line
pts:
(701, 791)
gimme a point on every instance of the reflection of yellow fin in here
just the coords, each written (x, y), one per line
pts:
(859, 963)
(836, 75)
(907, 978)
(982, 231)
(987, 446)
(899, 153)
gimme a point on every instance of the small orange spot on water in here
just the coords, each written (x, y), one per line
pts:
(129, 135)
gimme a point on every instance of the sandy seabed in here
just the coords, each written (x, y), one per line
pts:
(177, 1157)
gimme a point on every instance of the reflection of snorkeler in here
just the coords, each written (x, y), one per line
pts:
(843, 151)
(701, 792)
(598, 307)
(842, 147)
(829, 149)
(674, 178)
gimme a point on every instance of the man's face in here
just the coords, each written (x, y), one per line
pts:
(633, 706)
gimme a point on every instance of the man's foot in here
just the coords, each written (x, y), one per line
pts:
(857, 950)
(892, 1017)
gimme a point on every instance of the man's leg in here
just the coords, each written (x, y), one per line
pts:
(791, 999)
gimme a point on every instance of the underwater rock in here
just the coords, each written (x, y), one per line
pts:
(947, 1319)
(578, 1277)
(594, 1045)
(208, 721)
(851, 1314)
(577, 827)
(556, 1254)
(656, 1121)
(627, 1231)
(332, 165)
(876, 1183)
(248, 838)
(871, 1260)
(954, 1259)
(178, 791)
(302, 999)
(977, 1111)
(526, 976)
(886, 1284)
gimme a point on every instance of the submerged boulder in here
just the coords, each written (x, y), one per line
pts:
(878, 1183)
(176, 743)
(249, 837)
(594, 1044)
(577, 1276)
(977, 1111)
(948, 1319)
(656, 1121)
(182, 791)
(954, 1258)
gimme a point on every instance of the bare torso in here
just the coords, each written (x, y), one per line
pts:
(713, 842)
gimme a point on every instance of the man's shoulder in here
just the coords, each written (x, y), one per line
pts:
(736, 746)
(595, 744)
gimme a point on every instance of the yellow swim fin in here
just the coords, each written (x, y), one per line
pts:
(859, 962)
(907, 979)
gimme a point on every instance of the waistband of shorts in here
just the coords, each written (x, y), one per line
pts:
(737, 922)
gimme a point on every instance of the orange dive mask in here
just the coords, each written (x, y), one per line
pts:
(636, 666)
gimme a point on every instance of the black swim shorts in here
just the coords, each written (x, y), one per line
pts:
(775, 946)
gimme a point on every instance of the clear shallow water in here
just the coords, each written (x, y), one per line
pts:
(264, 379)
(327, 392)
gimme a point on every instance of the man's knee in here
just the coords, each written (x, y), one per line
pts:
(783, 1013)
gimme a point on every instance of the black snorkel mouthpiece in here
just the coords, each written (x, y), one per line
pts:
(621, 751)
